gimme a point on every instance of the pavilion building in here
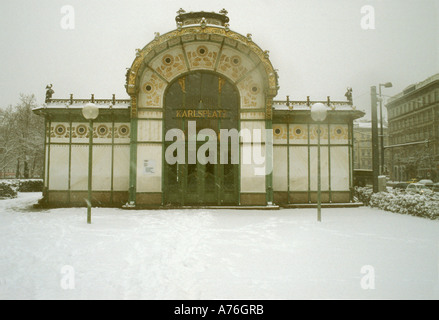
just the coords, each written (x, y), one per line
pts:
(190, 90)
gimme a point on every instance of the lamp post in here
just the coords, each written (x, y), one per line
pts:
(90, 112)
(318, 114)
(375, 149)
(385, 85)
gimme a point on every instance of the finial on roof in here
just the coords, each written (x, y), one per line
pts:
(209, 18)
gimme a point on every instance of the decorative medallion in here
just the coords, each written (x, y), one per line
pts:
(236, 61)
(202, 51)
(60, 130)
(298, 132)
(254, 89)
(279, 132)
(171, 65)
(81, 130)
(124, 130)
(102, 130)
(314, 134)
(339, 132)
(168, 60)
(149, 88)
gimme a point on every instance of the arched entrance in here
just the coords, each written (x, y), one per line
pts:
(201, 102)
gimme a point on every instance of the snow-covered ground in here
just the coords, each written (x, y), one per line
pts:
(357, 253)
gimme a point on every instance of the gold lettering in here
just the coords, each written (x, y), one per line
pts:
(205, 113)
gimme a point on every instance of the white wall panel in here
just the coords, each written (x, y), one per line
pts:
(101, 168)
(79, 170)
(59, 167)
(250, 180)
(121, 169)
(280, 169)
(324, 168)
(339, 169)
(298, 169)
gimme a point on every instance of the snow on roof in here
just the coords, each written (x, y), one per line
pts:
(366, 125)
(79, 104)
(305, 105)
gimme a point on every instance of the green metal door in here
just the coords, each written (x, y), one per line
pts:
(194, 103)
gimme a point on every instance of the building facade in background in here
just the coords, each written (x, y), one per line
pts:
(185, 88)
(363, 145)
(413, 117)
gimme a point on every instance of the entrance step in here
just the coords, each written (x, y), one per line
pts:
(271, 207)
(324, 205)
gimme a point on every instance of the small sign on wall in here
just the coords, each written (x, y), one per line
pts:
(149, 167)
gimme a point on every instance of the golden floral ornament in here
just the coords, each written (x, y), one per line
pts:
(202, 56)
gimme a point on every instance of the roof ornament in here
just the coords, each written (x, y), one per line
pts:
(249, 37)
(348, 95)
(156, 35)
(181, 11)
(49, 92)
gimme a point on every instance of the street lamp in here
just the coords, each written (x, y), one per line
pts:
(385, 85)
(90, 112)
(318, 114)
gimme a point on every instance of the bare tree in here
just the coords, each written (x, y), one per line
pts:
(8, 141)
(22, 139)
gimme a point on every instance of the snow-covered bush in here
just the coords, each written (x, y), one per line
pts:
(363, 194)
(8, 189)
(421, 205)
(31, 185)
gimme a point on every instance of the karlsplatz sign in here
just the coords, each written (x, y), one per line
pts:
(197, 113)
(253, 142)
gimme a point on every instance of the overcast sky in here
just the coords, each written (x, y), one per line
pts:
(318, 46)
